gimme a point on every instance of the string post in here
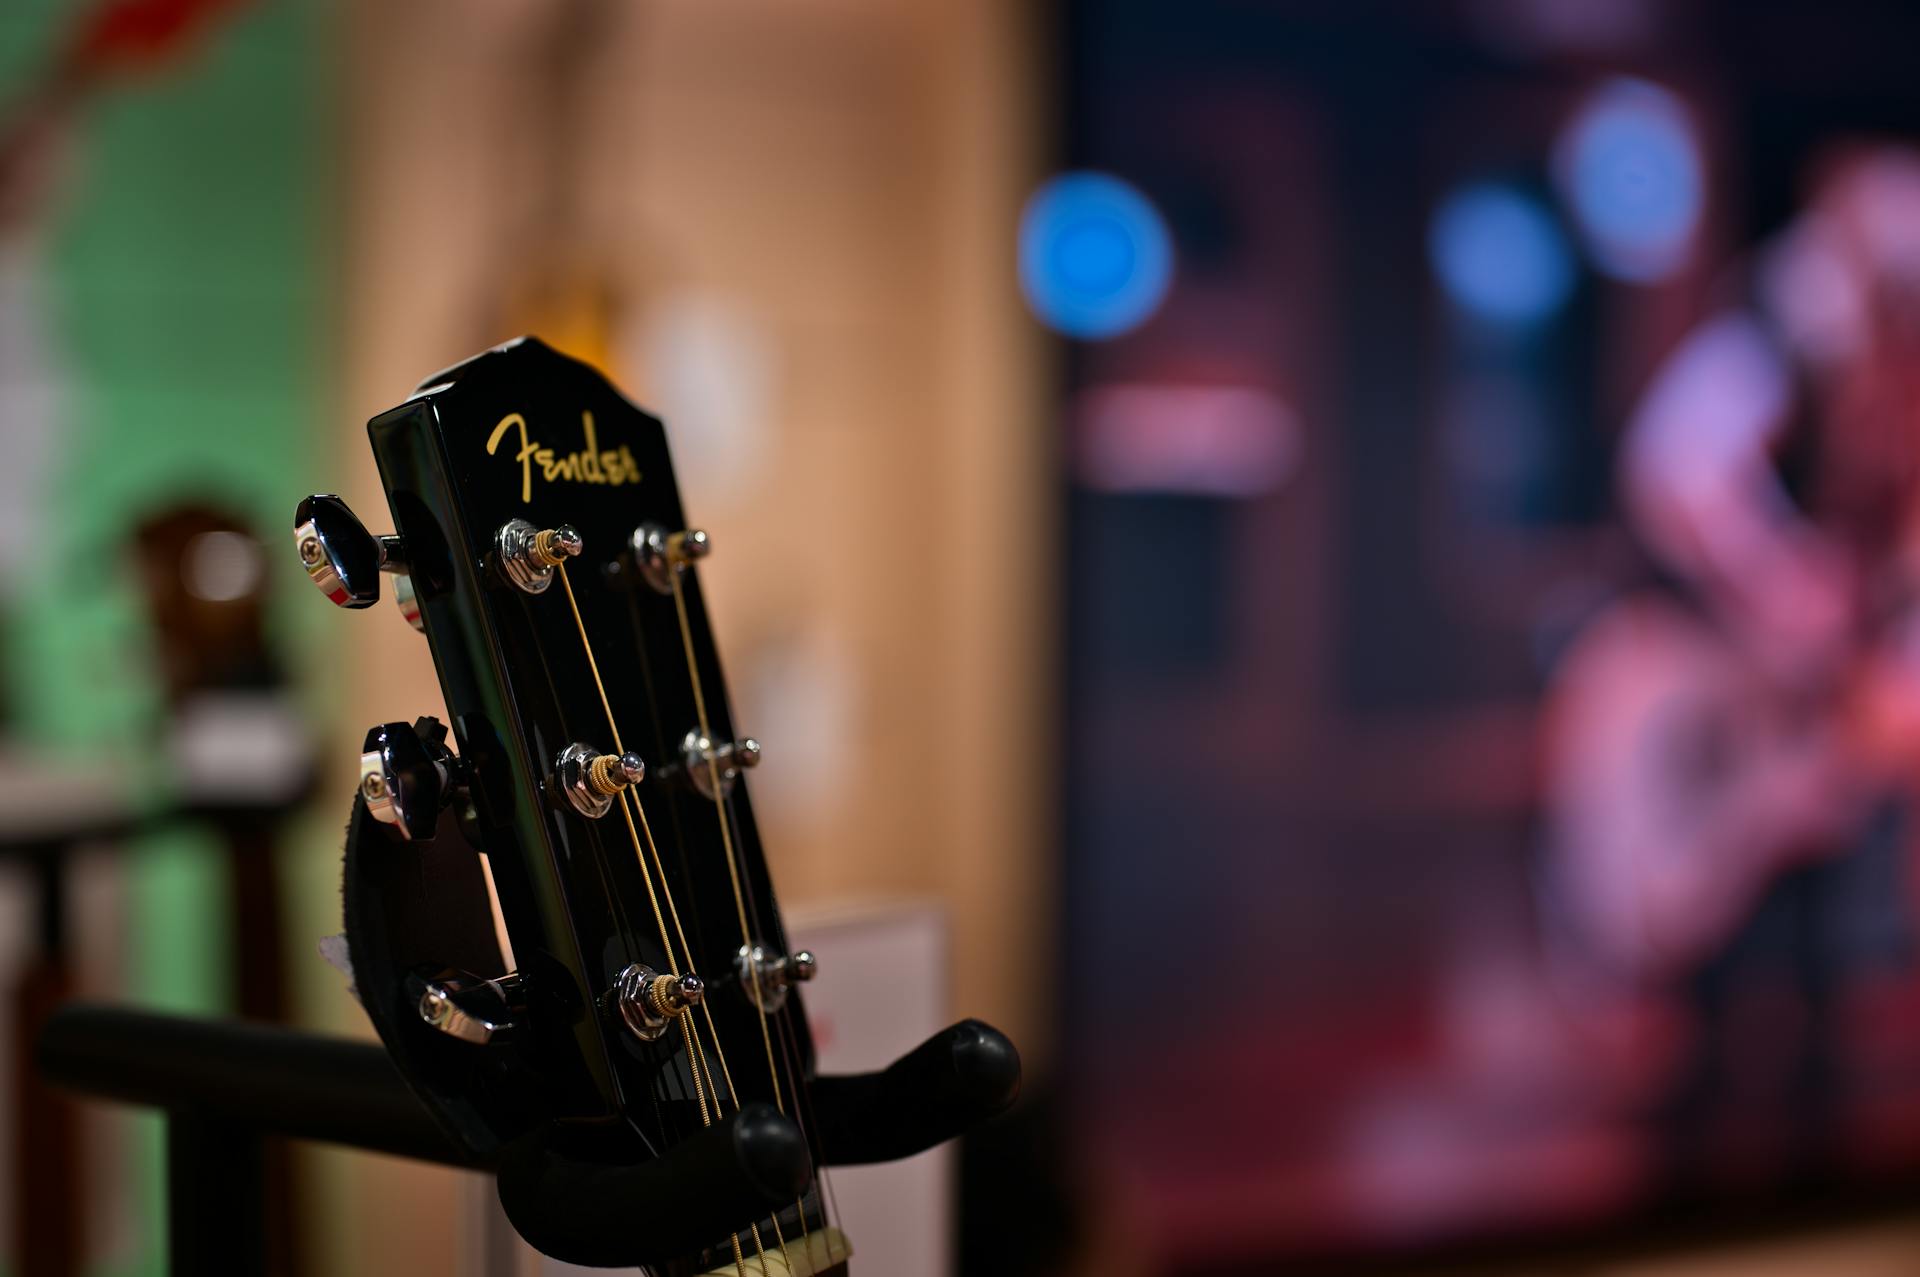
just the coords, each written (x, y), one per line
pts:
(554, 546)
(689, 546)
(661, 555)
(713, 768)
(766, 977)
(672, 995)
(528, 556)
(609, 774)
(591, 781)
(649, 1001)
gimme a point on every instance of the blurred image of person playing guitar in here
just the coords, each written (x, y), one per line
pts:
(1733, 755)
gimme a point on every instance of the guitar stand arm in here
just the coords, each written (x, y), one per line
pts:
(225, 1087)
(712, 1185)
(952, 1081)
(254, 1077)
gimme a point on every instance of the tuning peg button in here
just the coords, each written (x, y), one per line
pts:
(468, 1008)
(341, 557)
(407, 775)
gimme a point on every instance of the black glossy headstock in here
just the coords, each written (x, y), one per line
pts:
(651, 1100)
(548, 654)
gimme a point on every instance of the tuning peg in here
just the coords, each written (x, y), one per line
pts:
(407, 775)
(766, 977)
(707, 762)
(660, 554)
(340, 555)
(529, 555)
(591, 780)
(649, 1001)
(468, 1008)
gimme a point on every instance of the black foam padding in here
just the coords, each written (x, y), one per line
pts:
(603, 1216)
(413, 905)
(955, 1079)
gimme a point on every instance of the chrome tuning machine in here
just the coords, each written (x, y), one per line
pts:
(649, 1001)
(341, 557)
(592, 780)
(660, 554)
(767, 979)
(529, 555)
(468, 1008)
(709, 765)
(408, 775)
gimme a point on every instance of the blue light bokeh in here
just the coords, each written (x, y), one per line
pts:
(1629, 167)
(1500, 254)
(1095, 256)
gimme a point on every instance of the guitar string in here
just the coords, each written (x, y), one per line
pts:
(697, 1059)
(700, 1062)
(790, 1055)
(753, 1227)
(707, 1012)
(617, 907)
(733, 874)
(804, 1112)
(673, 911)
(790, 1050)
(689, 1028)
(746, 933)
(653, 849)
(616, 904)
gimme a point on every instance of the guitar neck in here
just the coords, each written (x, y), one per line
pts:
(821, 1253)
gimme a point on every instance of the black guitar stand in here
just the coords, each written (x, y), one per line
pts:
(226, 1086)
(48, 1160)
(574, 1190)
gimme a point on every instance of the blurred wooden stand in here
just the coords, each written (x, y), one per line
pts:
(51, 816)
(236, 759)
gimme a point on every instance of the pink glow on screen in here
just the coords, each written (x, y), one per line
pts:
(1221, 441)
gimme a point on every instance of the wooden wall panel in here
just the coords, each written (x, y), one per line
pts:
(839, 184)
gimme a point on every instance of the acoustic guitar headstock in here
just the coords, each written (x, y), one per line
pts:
(636, 1053)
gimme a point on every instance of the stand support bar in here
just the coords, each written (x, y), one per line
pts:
(271, 1080)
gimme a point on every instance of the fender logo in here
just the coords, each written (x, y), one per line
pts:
(587, 466)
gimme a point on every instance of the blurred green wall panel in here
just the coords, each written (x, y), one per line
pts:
(185, 273)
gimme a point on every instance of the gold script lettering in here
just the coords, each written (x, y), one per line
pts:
(614, 467)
